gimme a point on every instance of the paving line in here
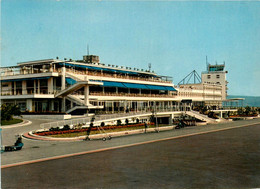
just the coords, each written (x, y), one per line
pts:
(117, 147)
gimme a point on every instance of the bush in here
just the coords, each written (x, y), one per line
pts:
(137, 120)
(66, 127)
(119, 122)
(7, 111)
(102, 124)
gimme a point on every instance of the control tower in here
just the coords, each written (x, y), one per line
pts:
(216, 74)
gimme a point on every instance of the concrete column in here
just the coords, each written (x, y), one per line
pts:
(50, 85)
(162, 105)
(170, 119)
(52, 105)
(113, 107)
(24, 91)
(63, 105)
(14, 87)
(86, 94)
(51, 68)
(54, 85)
(39, 86)
(29, 104)
(63, 78)
(34, 86)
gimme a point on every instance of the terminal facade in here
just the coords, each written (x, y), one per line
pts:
(78, 87)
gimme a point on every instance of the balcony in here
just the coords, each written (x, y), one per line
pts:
(115, 75)
(132, 95)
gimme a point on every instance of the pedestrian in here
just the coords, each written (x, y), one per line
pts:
(145, 127)
(89, 130)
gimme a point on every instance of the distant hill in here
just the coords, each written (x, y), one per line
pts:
(249, 100)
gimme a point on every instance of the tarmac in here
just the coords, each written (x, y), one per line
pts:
(212, 156)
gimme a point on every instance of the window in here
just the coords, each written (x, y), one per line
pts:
(208, 76)
(217, 76)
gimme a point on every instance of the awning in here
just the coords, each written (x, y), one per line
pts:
(113, 84)
(135, 86)
(168, 88)
(70, 81)
(24, 79)
(156, 87)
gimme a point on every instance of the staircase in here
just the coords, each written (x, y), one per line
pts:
(80, 104)
(71, 88)
(76, 99)
(77, 77)
(200, 116)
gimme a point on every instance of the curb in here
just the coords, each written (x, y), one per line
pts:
(24, 123)
(30, 135)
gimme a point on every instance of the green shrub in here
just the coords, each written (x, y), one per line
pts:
(119, 122)
(8, 111)
(66, 127)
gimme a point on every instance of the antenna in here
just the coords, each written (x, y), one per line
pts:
(88, 49)
(207, 66)
(149, 66)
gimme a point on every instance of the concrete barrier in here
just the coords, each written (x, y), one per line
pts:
(49, 116)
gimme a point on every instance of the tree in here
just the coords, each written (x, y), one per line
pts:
(119, 122)
(8, 111)
(240, 111)
(247, 110)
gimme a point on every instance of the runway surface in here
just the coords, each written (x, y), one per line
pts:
(223, 159)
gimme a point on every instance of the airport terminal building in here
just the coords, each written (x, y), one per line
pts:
(81, 86)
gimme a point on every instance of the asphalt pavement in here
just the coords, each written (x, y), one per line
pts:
(224, 159)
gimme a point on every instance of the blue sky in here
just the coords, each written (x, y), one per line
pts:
(173, 36)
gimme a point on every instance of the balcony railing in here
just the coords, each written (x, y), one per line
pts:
(131, 95)
(115, 75)
(19, 71)
(26, 92)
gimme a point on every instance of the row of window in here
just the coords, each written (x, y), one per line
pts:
(217, 76)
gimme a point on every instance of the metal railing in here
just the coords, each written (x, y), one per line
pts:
(105, 117)
(115, 75)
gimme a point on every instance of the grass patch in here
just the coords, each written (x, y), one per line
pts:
(68, 135)
(11, 122)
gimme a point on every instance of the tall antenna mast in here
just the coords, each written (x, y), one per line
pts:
(207, 62)
(149, 66)
(88, 49)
